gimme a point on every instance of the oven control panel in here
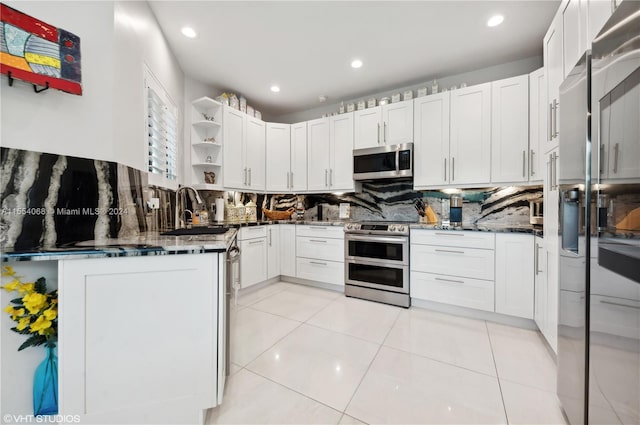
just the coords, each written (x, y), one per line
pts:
(376, 228)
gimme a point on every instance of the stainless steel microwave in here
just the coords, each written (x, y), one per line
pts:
(383, 162)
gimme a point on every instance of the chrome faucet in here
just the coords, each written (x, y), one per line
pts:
(180, 222)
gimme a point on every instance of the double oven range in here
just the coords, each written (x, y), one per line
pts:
(377, 262)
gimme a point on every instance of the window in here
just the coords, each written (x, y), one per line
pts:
(162, 130)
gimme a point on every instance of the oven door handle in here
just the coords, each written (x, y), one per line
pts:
(368, 238)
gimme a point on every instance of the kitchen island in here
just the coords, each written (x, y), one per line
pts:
(141, 328)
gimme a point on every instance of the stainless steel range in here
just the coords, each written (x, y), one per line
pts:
(376, 263)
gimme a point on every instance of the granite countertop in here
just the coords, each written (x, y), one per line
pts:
(144, 245)
(494, 228)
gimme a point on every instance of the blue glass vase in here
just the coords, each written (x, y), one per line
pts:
(45, 385)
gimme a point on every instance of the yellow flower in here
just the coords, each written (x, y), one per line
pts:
(8, 309)
(50, 314)
(34, 302)
(23, 323)
(26, 287)
(13, 312)
(40, 325)
(8, 271)
(12, 286)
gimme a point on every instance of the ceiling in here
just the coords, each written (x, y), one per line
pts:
(306, 47)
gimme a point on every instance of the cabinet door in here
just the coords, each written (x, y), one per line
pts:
(553, 294)
(540, 284)
(368, 131)
(510, 130)
(341, 159)
(233, 128)
(571, 35)
(537, 124)
(551, 200)
(431, 141)
(253, 261)
(278, 158)
(254, 154)
(273, 251)
(470, 147)
(554, 74)
(318, 154)
(287, 249)
(514, 274)
(624, 130)
(298, 157)
(599, 12)
(397, 123)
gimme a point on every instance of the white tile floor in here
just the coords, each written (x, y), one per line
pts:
(304, 355)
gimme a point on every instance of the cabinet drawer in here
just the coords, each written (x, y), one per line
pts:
(320, 270)
(320, 248)
(252, 232)
(334, 232)
(472, 293)
(453, 238)
(462, 262)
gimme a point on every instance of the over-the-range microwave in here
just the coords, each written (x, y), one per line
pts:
(383, 162)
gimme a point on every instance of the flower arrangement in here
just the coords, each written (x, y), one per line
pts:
(35, 311)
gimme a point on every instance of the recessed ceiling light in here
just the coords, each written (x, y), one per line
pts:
(494, 21)
(356, 63)
(275, 89)
(189, 32)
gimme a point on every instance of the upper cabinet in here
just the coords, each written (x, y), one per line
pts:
(298, 168)
(330, 152)
(206, 144)
(384, 125)
(554, 74)
(244, 141)
(278, 159)
(510, 130)
(537, 124)
(470, 144)
(431, 141)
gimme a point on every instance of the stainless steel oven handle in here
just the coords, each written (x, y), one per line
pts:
(392, 239)
(378, 133)
(398, 161)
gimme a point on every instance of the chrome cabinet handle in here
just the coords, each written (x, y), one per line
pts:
(318, 263)
(270, 237)
(445, 169)
(531, 170)
(244, 181)
(449, 234)
(549, 121)
(453, 168)
(524, 162)
(292, 180)
(601, 159)
(555, 118)
(537, 259)
(384, 132)
(317, 228)
(378, 133)
(249, 176)
(397, 161)
(330, 177)
(326, 177)
(288, 179)
(317, 240)
(616, 150)
(619, 304)
(255, 242)
(449, 251)
(449, 280)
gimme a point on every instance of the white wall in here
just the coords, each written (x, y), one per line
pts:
(483, 75)
(107, 121)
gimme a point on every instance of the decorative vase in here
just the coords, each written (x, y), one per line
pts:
(45, 385)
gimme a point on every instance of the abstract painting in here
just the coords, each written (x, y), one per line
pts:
(39, 53)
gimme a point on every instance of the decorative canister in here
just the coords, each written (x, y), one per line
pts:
(243, 104)
(395, 97)
(341, 108)
(257, 114)
(362, 105)
(232, 213)
(407, 95)
(384, 101)
(371, 103)
(351, 107)
(240, 212)
(422, 91)
(251, 211)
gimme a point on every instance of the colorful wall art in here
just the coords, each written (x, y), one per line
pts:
(39, 53)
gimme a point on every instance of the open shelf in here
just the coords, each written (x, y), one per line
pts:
(206, 124)
(206, 186)
(205, 164)
(206, 103)
(207, 144)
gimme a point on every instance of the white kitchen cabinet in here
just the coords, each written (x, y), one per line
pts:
(287, 249)
(554, 74)
(599, 12)
(540, 283)
(537, 124)
(510, 130)
(320, 253)
(206, 146)
(458, 262)
(574, 33)
(126, 361)
(298, 167)
(253, 260)
(330, 159)
(470, 143)
(273, 251)
(515, 274)
(384, 125)
(431, 141)
(551, 245)
(244, 151)
(278, 158)
(546, 292)
(463, 292)
(619, 133)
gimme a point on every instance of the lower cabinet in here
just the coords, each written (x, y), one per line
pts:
(273, 251)
(253, 257)
(320, 253)
(515, 274)
(129, 353)
(287, 249)
(460, 291)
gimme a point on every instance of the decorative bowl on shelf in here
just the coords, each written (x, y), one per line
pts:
(210, 177)
(278, 215)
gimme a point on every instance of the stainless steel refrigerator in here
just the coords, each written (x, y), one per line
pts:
(599, 260)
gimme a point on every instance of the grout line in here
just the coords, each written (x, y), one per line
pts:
(268, 296)
(504, 405)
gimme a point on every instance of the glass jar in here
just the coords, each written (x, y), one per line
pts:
(251, 211)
